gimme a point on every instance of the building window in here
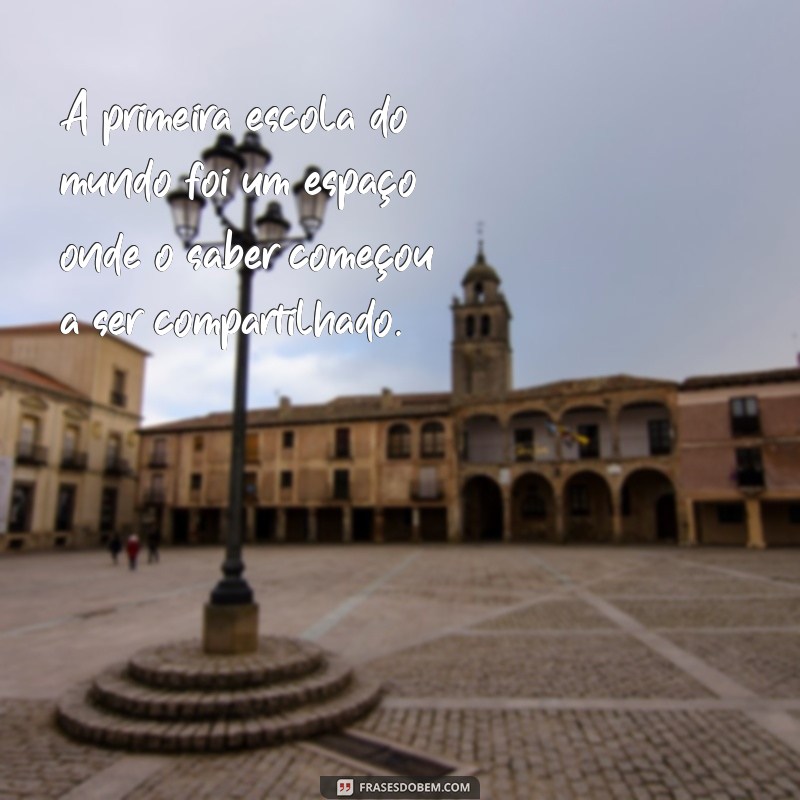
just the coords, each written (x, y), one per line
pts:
(118, 397)
(70, 446)
(745, 418)
(250, 487)
(108, 509)
(286, 479)
(590, 448)
(428, 486)
(114, 462)
(794, 513)
(523, 444)
(533, 504)
(251, 448)
(658, 431)
(342, 443)
(198, 442)
(113, 447)
(288, 440)
(470, 326)
(486, 325)
(28, 449)
(432, 444)
(579, 500)
(158, 458)
(196, 482)
(749, 467)
(398, 444)
(157, 493)
(341, 484)
(730, 513)
(29, 431)
(70, 457)
(21, 511)
(65, 506)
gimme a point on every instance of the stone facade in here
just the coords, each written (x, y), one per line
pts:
(614, 459)
(69, 410)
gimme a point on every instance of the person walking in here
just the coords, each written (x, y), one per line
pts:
(115, 546)
(132, 548)
(153, 543)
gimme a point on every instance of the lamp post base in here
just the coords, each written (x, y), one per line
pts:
(230, 629)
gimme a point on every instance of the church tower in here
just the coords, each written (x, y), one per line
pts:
(481, 354)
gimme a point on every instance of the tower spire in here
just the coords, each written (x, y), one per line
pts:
(480, 241)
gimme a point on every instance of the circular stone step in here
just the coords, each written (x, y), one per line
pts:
(114, 690)
(184, 666)
(85, 721)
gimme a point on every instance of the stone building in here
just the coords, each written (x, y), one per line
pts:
(597, 460)
(70, 406)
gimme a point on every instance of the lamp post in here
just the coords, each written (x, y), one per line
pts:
(231, 616)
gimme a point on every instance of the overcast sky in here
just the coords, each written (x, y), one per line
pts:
(637, 167)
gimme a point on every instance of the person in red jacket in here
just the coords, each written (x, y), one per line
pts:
(132, 548)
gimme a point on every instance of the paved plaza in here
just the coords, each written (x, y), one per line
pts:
(549, 672)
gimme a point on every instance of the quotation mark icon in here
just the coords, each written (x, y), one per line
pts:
(344, 787)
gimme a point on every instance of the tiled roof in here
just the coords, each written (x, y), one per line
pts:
(390, 405)
(340, 409)
(609, 383)
(741, 379)
(38, 380)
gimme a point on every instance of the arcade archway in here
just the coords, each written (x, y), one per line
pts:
(482, 506)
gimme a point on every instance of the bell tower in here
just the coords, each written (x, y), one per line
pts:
(481, 354)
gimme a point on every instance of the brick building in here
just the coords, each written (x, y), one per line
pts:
(740, 458)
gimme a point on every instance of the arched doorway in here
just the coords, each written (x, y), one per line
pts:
(648, 507)
(666, 518)
(587, 508)
(532, 508)
(482, 505)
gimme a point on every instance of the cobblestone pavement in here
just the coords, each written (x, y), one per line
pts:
(548, 672)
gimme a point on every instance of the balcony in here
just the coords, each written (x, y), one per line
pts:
(117, 467)
(426, 495)
(76, 462)
(157, 461)
(523, 452)
(341, 485)
(30, 454)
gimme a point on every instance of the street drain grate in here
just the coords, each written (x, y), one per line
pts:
(383, 755)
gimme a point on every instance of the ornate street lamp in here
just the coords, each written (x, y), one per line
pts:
(231, 616)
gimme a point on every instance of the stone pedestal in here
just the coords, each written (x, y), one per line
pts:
(230, 630)
(177, 698)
